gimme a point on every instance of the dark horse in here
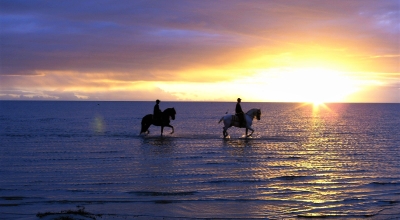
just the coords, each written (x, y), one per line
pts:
(163, 121)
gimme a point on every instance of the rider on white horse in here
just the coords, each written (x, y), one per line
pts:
(229, 121)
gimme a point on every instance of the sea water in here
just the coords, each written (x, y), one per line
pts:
(337, 160)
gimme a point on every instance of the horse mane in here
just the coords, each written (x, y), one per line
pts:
(253, 109)
(169, 109)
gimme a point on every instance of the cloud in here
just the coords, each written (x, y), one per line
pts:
(389, 93)
(122, 95)
(76, 45)
(78, 86)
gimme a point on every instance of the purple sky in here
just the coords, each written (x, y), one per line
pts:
(126, 50)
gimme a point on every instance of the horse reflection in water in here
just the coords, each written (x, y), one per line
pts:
(233, 120)
(163, 121)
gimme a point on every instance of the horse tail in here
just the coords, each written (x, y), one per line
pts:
(221, 119)
(143, 126)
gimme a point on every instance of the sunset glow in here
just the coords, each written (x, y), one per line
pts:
(274, 51)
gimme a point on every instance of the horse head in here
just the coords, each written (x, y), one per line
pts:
(254, 113)
(173, 113)
(258, 114)
(170, 112)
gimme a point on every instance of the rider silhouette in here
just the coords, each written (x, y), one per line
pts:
(239, 112)
(157, 112)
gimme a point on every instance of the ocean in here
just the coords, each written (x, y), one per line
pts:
(335, 161)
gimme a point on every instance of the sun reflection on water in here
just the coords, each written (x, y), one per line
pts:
(98, 124)
(317, 175)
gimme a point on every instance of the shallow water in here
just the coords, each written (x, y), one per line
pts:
(340, 161)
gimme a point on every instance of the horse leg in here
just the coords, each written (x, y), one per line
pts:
(247, 131)
(227, 124)
(146, 123)
(225, 132)
(252, 131)
(162, 130)
(145, 128)
(170, 127)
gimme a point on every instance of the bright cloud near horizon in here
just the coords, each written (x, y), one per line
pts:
(267, 51)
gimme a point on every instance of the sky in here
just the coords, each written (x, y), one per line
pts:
(184, 50)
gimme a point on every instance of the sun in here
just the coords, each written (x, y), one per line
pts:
(317, 103)
(312, 85)
(302, 85)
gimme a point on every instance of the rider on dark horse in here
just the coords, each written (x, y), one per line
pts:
(239, 112)
(157, 113)
(158, 118)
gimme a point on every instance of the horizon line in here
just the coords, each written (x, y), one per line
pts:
(66, 100)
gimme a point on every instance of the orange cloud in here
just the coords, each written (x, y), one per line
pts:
(139, 47)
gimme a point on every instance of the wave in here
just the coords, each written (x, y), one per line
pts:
(383, 183)
(226, 181)
(11, 198)
(291, 178)
(36, 134)
(156, 193)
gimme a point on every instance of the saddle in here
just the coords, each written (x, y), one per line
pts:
(236, 118)
(159, 121)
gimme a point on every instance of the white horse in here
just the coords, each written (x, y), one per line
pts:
(232, 120)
